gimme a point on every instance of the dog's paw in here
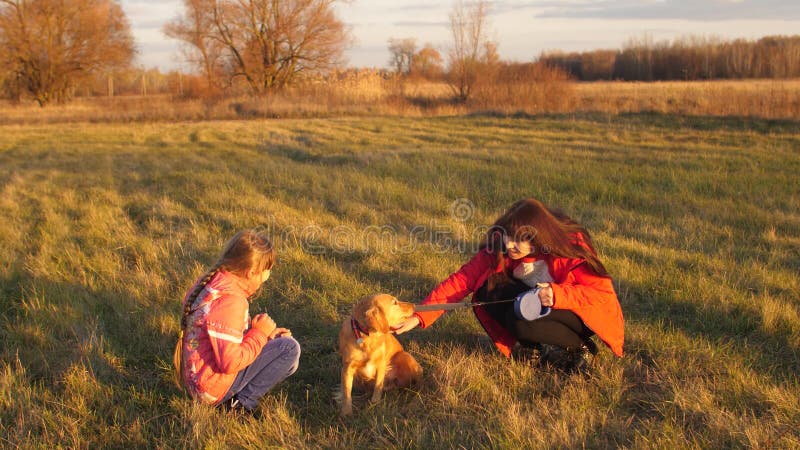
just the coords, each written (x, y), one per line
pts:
(347, 410)
(376, 397)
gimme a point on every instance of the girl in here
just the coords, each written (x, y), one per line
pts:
(533, 246)
(223, 357)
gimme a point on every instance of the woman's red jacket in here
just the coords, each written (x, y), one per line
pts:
(576, 287)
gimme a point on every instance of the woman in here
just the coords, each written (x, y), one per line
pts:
(533, 246)
(223, 357)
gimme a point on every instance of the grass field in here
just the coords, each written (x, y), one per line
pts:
(104, 226)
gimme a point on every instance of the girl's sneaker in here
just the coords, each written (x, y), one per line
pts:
(236, 409)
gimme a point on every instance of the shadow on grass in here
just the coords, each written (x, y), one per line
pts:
(732, 325)
(53, 325)
(668, 121)
(430, 103)
(94, 363)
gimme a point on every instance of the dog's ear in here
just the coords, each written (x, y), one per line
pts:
(375, 320)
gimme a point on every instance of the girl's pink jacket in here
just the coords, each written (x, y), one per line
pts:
(575, 287)
(218, 341)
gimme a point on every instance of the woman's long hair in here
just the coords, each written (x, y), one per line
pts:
(550, 232)
(249, 250)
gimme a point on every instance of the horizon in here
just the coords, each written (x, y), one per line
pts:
(522, 29)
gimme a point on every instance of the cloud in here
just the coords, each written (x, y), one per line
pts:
(693, 10)
(417, 7)
(507, 6)
(418, 23)
(150, 24)
(162, 46)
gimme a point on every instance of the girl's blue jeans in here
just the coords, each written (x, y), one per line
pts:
(278, 359)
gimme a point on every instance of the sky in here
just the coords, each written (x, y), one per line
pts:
(522, 28)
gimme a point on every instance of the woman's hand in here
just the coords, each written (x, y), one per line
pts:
(264, 324)
(409, 324)
(279, 332)
(545, 294)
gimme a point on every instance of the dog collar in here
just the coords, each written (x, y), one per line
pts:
(358, 332)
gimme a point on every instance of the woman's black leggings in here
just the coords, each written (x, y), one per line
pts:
(561, 327)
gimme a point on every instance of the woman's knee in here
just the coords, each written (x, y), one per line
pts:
(517, 327)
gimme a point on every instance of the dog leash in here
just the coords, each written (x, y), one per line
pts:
(453, 306)
(464, 304)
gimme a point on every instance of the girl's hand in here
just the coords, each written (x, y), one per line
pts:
(409, 324)
(545, 294)
(279, 332)
(263, 323)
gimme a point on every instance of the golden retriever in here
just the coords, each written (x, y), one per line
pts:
(371, 353)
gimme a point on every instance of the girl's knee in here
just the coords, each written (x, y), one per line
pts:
(290, 345)
(290, 350)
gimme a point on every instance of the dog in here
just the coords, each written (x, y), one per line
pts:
(371, 353)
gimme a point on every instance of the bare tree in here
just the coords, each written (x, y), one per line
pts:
(472, 50)
(48, 46)
(268, 43)
(402, 54)
(195, 28)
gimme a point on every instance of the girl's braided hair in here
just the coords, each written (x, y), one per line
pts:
(187, 308)
(248, 251)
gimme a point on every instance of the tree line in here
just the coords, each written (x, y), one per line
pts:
(685, 58)
(53, 50)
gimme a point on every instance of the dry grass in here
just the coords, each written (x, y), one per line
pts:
(372, 95)
(772, 99)
(105, 225)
